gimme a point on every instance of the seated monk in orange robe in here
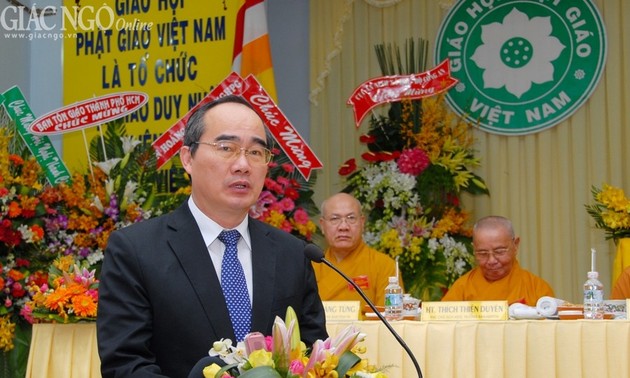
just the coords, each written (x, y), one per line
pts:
(342, 224)
(498, 275)
(621, 289)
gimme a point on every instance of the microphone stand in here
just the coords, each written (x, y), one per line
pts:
(378, 313)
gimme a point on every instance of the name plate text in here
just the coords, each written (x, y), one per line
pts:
(342, 310)
(465, 310)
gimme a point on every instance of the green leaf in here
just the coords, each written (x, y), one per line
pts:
(226, 369)
(13, 363)
(261, 372)
(346, 362)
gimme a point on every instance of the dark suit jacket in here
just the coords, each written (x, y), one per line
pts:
(160, 301)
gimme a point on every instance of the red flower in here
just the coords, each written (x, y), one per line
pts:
(348, 167)
(413, 161)
(11, 237)
(273, 186)
(367, 138)
(374, 157)
(387, 156)
(287, 167)
(453, 199)
(295, 184)
(370, 157)
(38, 232)
(17, 291)
(19, 262)
(14, 209)
(39, 278)
(291, 193)
(16, 160)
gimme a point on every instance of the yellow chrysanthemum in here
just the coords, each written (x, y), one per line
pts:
(7, 332)
(616, 221)
(613, 198)
(64, 263)
(275, 218)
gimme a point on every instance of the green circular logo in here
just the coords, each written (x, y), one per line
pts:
(523, 66)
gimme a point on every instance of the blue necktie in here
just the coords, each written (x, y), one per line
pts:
(234, 285)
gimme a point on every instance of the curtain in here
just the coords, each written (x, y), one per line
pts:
(540, 181)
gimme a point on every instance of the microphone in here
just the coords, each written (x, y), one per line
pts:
(315, 254)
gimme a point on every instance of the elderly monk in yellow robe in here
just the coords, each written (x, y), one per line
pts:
(621, 289)
(498, 275)
(342, 224)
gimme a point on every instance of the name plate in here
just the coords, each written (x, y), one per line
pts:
(342, 310)
(465, 310)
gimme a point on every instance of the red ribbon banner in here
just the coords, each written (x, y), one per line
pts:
(282, 130)
(300, 154)
(92, 112)
(168, 144)
(386, 89)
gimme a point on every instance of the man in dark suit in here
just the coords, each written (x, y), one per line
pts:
(161, 300)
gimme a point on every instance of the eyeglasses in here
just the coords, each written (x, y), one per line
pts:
(497, 253)
(335, 220)
(230, 150)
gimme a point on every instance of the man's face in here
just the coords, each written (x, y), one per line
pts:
(225, 187)
(342, 224)
(495, 252)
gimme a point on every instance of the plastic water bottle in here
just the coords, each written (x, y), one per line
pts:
(593, 297)
(393, 300)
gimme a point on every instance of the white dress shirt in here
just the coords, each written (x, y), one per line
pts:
(210, 231)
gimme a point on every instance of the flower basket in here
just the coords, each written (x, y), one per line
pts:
(611, 211)
(420, 159)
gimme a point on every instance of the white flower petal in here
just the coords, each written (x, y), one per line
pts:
(106, 166)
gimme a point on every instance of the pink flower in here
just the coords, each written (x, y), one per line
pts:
(268, 343)
(289, 168)
(265, 198)
(296, 367)
(286, 226)
(277, 206)
(287, 204)
(301, 216)
(27, 313)
(272, 185)
(413, 161)
(283, 181)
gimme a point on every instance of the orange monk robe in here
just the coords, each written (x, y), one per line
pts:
(518, 286)
(621, 290)
(367, 267)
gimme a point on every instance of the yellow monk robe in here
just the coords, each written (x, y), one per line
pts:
(367, 267)
(621, 290)
(518, 286)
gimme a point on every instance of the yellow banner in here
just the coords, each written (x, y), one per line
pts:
(175, 51)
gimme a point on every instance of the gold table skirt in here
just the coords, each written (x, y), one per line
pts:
(515, 349)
